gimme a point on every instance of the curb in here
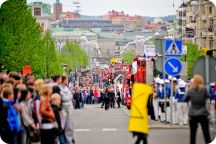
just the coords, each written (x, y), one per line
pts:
(167, 127)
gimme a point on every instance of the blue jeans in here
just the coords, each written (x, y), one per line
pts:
(95, 100)
(62, 139)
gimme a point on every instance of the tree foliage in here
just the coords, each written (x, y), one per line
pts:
(51, 65)
(22, 43)
(20, 38)
(193, 53)
(128, 56)
(74, 56)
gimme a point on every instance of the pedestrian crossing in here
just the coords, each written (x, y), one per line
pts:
(103, 130)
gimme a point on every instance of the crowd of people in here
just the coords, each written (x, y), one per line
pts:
(35, 110)
(41, 110)
(176, 103)
(96, 95)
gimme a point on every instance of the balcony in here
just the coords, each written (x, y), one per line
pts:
(211, 16)
(210, 31)
(204, 18)
(204, 33)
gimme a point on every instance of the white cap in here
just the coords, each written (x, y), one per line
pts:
(180, 80)
(170, 78)
(161, 81)
(212, 84)
(157, 80)
(181, 84)
(167, 81)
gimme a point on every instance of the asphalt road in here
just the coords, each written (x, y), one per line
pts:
(94, 125)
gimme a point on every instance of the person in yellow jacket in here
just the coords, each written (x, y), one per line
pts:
(140, 106)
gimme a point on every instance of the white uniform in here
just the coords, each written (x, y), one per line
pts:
(182, 106)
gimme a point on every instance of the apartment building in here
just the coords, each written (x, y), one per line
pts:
(206, 24)
(42, 13)
(181, 20)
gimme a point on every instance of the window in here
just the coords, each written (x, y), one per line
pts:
(37, 11)
(211, 44)
(210, 10)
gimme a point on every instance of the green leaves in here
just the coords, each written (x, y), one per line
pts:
(193, 53)
(21, 42)
(74, 56)
(128, 56)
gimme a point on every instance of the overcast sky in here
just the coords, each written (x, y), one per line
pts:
(132, 7)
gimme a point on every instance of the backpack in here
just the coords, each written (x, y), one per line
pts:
(10, 123)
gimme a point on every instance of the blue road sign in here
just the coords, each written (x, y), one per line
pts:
(173, 48)
(173, 66)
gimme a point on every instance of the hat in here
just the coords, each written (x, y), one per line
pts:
(170, 78)
(181, 84)
(179, 80)
(161, 81)
(212, 84)
(157, 80)
(167, 81)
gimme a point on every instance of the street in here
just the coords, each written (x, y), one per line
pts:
(94, 125)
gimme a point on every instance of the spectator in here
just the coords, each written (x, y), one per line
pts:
(48, 124)
(198, 112)
(67, 108)
(56, 103)
(26, 113)
(10, 123)
(96, 95)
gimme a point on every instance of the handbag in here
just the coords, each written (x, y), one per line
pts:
(34, 134)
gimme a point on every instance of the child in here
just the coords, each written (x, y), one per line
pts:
(56, 103)
(10, 121)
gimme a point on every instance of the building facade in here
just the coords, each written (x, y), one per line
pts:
(42, 13)
(196, 21)
(57, 10)
(181, 20)
(69, 24)
(206, 24)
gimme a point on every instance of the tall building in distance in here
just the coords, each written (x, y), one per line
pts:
(57, 10)
(206, 24)
(42, 13)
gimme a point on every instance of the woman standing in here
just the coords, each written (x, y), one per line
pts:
(26, 113)
(48, 124)
(198, 112)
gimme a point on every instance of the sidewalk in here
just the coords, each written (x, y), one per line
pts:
(158, 125)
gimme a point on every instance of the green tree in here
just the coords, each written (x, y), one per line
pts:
(20, 38)
(193, 53)
(128, 56)
(50, 56)
(74, 56)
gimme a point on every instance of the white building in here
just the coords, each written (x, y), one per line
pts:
(42, 13)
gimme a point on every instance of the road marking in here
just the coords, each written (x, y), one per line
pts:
(82, 130)
(109, 129)
(127, 112)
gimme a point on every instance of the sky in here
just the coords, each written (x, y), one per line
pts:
(132, 7)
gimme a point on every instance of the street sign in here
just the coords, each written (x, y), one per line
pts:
(173, 48)
(199, 67)
(173, 66)
(149, 50)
